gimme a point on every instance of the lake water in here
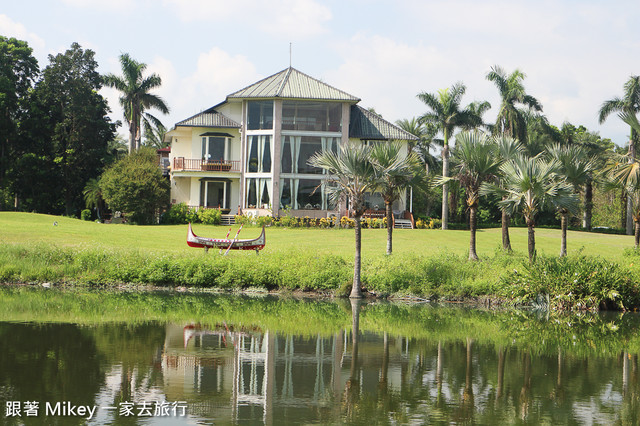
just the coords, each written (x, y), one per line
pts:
(361, 363)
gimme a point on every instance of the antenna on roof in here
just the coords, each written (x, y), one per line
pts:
(290, 54)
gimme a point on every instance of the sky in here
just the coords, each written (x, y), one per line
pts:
(575, 53)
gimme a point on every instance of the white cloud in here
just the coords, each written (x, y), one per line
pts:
(290, 18)
(118, 6)
(10, 28)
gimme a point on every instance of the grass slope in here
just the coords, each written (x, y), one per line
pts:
(37, 228)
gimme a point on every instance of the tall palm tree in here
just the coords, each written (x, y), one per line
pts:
(477, 161)
(135, 97)
(514, 103)
(351, 175)
(154, 135)
(396, 171)
(530, 185)
(576, 166)
(628, 105)
(447, 115)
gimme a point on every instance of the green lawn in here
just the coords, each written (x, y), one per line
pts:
(29, 227)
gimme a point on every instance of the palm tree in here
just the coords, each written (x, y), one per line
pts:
(530, 185)
(396, 171)
(508, 148)
(576, 166)
(515, 103)
(136, 97)
(426, 134)
(477, 161)
(628, 105)
(351, 175)
(446, 114)
(93, 196)
(154, 135)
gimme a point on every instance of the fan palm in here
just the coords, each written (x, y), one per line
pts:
(628, 105)
(395, 171)
(530, 185)
(135, 97)
(515, 103)
(477, 161)
(351, 175)
(447, 115)
(576, 166)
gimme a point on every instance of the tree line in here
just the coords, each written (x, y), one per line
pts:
(56, 137)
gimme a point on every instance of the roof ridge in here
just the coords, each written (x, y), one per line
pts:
(326, 84)
(255, 83)
(283, 82)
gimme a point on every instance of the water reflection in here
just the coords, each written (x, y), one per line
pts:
(239, 373)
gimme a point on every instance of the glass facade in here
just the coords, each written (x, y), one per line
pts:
(259, 154)
(312, 116)
(258, 192)
(296, 151)
(260, 115)
(304, 194)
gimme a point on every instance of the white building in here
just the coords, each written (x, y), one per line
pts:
(251, 150)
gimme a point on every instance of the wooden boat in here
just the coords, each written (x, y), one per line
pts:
(225, 243)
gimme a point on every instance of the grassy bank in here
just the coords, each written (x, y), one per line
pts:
(425, 263)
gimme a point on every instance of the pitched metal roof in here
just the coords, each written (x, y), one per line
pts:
(293, 84)
(209, 118)
(367, 125)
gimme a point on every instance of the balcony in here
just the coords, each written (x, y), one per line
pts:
(181, 164)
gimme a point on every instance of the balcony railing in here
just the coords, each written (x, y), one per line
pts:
(181, 164)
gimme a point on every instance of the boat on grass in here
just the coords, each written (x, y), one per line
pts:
(227, 244)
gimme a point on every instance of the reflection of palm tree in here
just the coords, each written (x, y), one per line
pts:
(501, 356)
(352, 387)
(525, 392)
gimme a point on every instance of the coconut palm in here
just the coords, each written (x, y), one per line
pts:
(576, 166)
(477, 161)
(628, 105)
(93, 196)
(135, 97)
(514, 104)
(396, 171)
(530, 185)
(351, 175)
(447, 115)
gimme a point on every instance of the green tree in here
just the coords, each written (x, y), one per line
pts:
(136, 98)
(68, 124)
(628, 105)
(446, 114)
(154, 135)
(93, 196)
(514, 103)
(576, 166)
(18, 71)
(476, 161)
(396, 172)
(530, 185)
(135, 186)
(351, 175)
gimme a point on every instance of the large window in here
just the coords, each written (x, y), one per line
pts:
(304, 194)
(296, 151)
(312, 116)
(259, 154)
(215, 194)
(258, 192)
(214, 148)
(260, 115)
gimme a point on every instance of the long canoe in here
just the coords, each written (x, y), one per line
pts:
(225, 243)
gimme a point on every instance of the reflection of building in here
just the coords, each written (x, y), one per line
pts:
(252, 149)
(230, 375)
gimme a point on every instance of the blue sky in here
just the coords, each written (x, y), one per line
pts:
(576, 54)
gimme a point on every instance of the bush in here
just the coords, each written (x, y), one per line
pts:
(210, 216)
(85, 214)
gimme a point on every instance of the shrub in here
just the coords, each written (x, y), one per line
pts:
(85, 214)
(210, 216)
(176, 215)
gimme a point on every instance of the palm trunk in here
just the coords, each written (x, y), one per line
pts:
(632, 159)
(563, 227)
(637, 234)
(531, 240)
(506, 241)
(445, 187)
(356, 292)
(623, 208)
(389, 213)
(472, 228)
(588, 205)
